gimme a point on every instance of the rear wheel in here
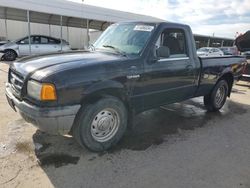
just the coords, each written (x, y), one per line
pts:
(10, 55)
(217, 98)
(101, 125)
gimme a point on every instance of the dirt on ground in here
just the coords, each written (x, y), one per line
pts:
(179, 145)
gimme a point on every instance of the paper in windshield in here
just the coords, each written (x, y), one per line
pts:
(147, 28)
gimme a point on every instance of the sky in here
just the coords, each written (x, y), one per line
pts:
(208, 17)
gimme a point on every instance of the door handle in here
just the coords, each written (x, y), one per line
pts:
(36, 46)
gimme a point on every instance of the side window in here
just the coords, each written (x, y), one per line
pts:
(24, 41)
(35, 40)
(44, 40)
(53, 41)
(175, 41)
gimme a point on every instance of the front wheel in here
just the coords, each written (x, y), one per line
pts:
(217, 98)
(10, 55)
(101, 125)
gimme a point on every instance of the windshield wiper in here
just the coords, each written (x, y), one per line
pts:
(115, 49)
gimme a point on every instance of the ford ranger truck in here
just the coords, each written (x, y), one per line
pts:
(132, 67)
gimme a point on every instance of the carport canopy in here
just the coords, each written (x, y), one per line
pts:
(212, 41)
(73, 14)
(65, 13)
(80, 15)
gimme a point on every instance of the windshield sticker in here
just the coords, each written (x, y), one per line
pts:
(147, 28)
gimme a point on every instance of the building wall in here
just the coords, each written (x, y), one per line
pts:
(77, 37)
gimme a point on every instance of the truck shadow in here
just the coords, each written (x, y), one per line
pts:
(150, 128)
(154, 127)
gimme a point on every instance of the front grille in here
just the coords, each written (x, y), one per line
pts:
(16, 82)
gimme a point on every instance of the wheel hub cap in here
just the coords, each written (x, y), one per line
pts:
(105, 125)
(219, 96)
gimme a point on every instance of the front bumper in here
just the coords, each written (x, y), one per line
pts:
(54, 120)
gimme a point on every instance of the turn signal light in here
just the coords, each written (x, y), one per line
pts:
(48, 92)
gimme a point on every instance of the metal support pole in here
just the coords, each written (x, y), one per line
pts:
(87, 33)
(67, 33)
(208, 42)
(222, 43)
(28, 19)
(61, 31)
(6, 29)
(6, 26)
(49, 30)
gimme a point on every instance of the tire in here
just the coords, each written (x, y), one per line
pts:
(10, 55)
(101, 125)
(217, 98)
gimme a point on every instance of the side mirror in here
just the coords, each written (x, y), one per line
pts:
(163, 51)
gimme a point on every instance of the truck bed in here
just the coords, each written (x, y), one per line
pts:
(246, 73)
(213, 67)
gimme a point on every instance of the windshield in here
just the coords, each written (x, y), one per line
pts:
(203, 50)
(128, 38)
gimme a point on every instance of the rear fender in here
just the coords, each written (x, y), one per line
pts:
(228, 76)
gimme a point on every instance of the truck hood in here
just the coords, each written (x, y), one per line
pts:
(243, 42)
(73, 59)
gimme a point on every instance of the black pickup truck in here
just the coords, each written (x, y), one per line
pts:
(132, 67)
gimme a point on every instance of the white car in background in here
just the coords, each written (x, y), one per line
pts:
(209, 52)
(39, 45)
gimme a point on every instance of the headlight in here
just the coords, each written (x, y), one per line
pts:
(41, 91)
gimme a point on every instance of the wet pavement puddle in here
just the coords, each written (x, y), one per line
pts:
(57, 159)
(152, 127)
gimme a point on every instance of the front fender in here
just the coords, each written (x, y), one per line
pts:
(104, 85)
(15, 50)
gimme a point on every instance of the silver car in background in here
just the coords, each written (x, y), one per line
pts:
(39, 45)
(229, 50)
(209, 52)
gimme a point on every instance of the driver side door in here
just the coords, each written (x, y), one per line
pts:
(169, 79)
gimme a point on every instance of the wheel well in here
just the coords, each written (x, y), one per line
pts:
(95, 96)
(118, 93)
(228, 77)
(10, 50)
